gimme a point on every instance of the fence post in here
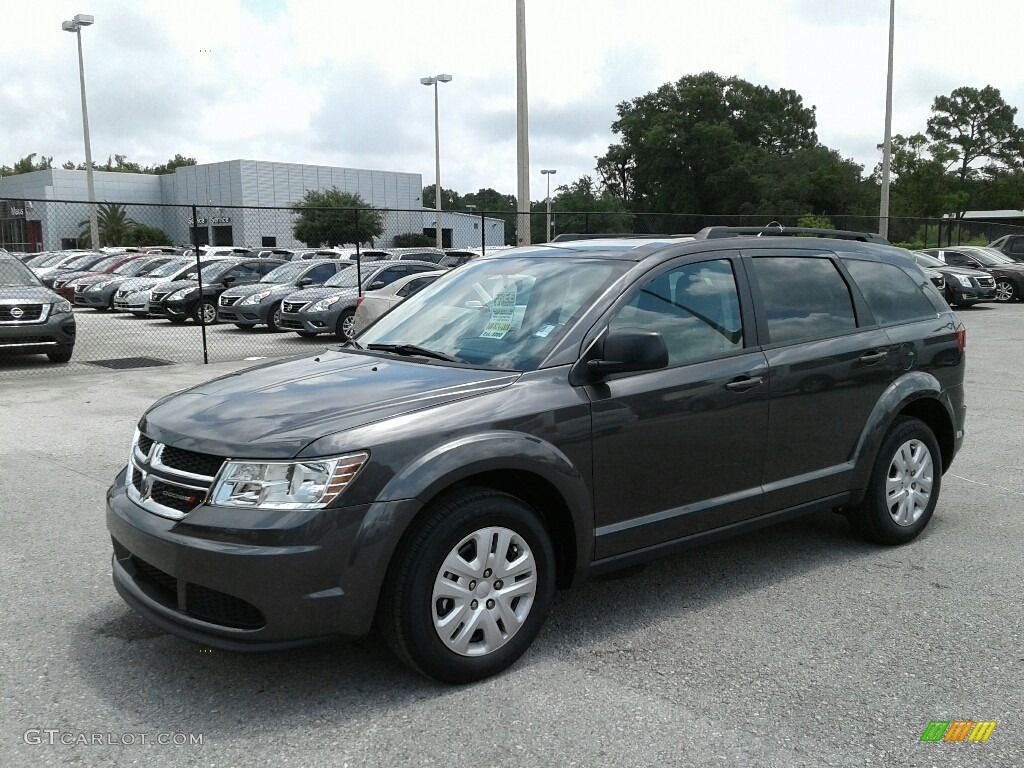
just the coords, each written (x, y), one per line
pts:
(359, 258)
(483, 234)
(199, 277)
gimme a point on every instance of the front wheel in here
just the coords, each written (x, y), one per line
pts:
(346, 328)
(274, 318)
(62, 355)
(1005, 290)
(904, 485)
(205, 312)
(469, 589)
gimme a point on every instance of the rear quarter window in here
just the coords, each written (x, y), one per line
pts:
(803, 298)
(892, 294)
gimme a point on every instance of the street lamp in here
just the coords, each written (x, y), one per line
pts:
(437, 152)
(883, 207)
(547, 227)
(75, 25)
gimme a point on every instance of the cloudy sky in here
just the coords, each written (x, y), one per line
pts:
(336, 82)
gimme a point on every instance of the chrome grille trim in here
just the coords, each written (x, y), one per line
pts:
(152, 470)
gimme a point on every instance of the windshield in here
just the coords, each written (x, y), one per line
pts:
(498, 313)
(83, 262)
(17, 274)
(165, 270)
(101, 264)
(928, 261)
(990, 256)
(211, 271)
(347, 278)
(133, 267)
(286, 273)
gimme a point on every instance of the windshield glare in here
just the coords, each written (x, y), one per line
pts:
(498, 313)
(17, 274)
(344, 279)
(928, 261)
(990, 256)
(286, 273)
(133, 267)
(211, 271)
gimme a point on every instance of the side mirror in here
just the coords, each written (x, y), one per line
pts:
(629, 350)
(304, 282)
(228, 279)
(376, 285)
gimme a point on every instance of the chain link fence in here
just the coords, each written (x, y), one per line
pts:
(175, 284)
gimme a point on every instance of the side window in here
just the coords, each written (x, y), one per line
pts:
(414, 285)
(893, 295)
(803, 298)
(388, 276)
(954, 259)
(263, 268)
(320, 274)
(1017, 246)
(695, 308)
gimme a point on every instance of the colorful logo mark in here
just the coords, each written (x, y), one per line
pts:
(958, 730)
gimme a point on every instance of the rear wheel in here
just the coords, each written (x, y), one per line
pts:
(904, 485)
(470, 588)
(345, 329)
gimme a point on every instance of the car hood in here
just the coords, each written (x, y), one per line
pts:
(100, 277)
(275, 410)
(177, 285)
(141, 283)
(965, 271)
(321, 292)
(67, 277)
(276, 289)
(27, 294)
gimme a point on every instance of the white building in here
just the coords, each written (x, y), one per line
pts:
(239, 202)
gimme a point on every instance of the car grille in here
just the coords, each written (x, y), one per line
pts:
(201, 602)
(986, 282)
(159, 296)
(169, 481)
(292, 325)
(292, 307)
(229, 301)
(28, 313)
(80, 288)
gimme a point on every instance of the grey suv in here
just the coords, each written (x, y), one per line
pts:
(534, 418)
(33, 319)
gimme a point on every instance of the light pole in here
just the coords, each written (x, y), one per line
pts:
(437, 152)
(75, 25)
(547, 227)
(522, 131)
(883, 208)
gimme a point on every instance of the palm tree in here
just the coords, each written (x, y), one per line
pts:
(113, 223)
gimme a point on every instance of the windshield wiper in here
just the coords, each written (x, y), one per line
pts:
(412, 349)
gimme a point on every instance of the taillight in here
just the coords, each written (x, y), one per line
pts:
(359, 300)
(961, 337)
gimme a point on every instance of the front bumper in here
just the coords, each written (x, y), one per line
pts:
(310, 322)
(96, 299)
(973, 295)
(244, 313)
(252, 580)
(180, 308)
(58, 331)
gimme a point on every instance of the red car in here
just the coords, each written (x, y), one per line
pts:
(104, 267)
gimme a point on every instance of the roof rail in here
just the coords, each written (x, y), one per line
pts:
(567, 236)
(776, 230)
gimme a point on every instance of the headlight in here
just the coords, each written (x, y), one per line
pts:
(323, 304)
(99, 286)
(964, 281)
(62, 306)
(256, 298)
(181, 294)
(311, 484)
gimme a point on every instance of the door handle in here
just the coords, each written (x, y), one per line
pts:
(874, 357)
(742, 385)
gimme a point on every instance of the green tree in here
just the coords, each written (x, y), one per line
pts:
(414, 240)
(582, 207)
(693, 146)
(332, 217)
(27, 164)
(974, 124)
(496, 206)
(450, 200)
(113, 223)
(142, 234)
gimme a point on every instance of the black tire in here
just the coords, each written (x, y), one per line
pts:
(307, 334)
(407, 603)
(207, 308)
(62, 355)
(273, 316)
(177, 319)
(950, 297)
(1006, 291)
(245, 326)
(345, 320)
(872, 519)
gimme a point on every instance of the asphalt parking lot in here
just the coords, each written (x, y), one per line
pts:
(795, 646)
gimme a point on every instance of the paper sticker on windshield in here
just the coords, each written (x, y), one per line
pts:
(503, 307)
(544, 331)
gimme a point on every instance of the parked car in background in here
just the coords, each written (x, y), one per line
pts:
(373, 304)
(457, 257)
(172, 270)
(332, 307)
(184, 299)
(535, 419)
(287, 254)
(1008, 274)
(964, 286)
(433, 255)
(97, 291)
(260, 303)
(66, 262)
(33, 319)
(1011, 246)
(65, 282)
